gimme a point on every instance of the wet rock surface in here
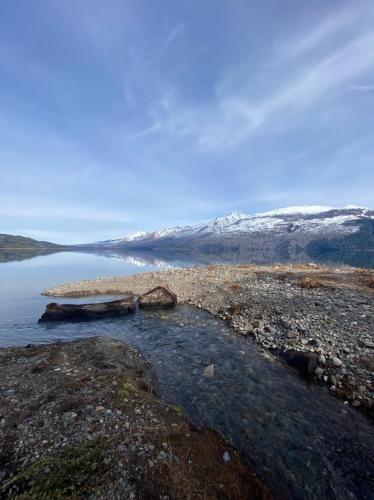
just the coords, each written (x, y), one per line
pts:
(80, 420)
(159, 296)
(303, 308)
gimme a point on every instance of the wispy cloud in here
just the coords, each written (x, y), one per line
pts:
(236, 118)
(37, 208)
(317, 34)
(176, 31)
(123, 109)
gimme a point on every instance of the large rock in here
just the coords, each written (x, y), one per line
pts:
(304, 362)
(81, 312)
(158, 297)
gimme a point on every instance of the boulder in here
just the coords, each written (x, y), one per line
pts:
(82, 312)
(158, 297)
(304, 362)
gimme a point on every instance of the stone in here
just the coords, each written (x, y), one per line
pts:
(159, 297)
(209, 371)
(319, 371)
(336, 361)
(293, 334)
(367, 343)
(304, 362)
(322, 359)
(226, 457)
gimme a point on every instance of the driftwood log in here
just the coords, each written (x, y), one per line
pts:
(81, 312)
(158, 297)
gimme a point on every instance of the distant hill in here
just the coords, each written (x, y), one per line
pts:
(9, 241)
(20, 248)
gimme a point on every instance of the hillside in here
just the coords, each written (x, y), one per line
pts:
(303, 233)
(20, 248)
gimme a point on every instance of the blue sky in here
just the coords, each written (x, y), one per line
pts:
(127, 115)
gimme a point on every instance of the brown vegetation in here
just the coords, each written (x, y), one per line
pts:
(308, 282)
(236, 287)
(237, 308)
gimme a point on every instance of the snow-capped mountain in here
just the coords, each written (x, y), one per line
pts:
(284, 232)
(306, 219)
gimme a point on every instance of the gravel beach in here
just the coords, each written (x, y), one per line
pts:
(80, 420)
(322, 311)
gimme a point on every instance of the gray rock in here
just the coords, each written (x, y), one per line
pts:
(209, 371)
(336, 361)
(304, 362)
(158, 297)
(367, 343)
(322, 359)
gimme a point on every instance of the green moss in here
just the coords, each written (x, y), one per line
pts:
(70, 474)
(126, 390)
(178, 409)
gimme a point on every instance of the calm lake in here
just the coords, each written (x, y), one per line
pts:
(302, 441)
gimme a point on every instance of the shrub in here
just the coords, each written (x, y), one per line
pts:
(310, 283)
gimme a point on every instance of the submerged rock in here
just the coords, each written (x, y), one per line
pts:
(305, 362)
(158, 297)
(209, 371)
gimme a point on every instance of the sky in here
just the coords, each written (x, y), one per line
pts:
(129, 115)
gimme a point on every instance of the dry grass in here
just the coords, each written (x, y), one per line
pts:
(236, 287)
(309, 283)
(237, 308)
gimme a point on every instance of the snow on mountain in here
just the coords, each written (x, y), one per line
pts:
(308, 210)
(137, 235)
(298, 210)
(226, 220)
(161, 233)
(306, 219)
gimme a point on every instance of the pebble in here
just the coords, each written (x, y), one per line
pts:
(209, 371)
(322, 359)
(336, 361)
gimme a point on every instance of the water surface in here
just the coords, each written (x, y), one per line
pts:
(305, 443)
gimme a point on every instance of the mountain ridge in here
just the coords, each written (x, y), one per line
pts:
(300, 233)
(308, 218)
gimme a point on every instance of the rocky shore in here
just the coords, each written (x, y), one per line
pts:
(326, 313)
(81, 420)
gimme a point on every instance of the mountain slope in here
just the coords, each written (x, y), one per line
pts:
(20, 248)
(282, 234)
(305, 220)
(9, 241)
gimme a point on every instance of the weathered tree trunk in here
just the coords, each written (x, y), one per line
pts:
(60, 312)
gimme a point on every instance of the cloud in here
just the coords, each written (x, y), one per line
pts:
(38, 208)
(235, 118)
(319, 33)
(177, 30)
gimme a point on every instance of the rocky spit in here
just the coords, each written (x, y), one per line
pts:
(324, 312)
(80, 420)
